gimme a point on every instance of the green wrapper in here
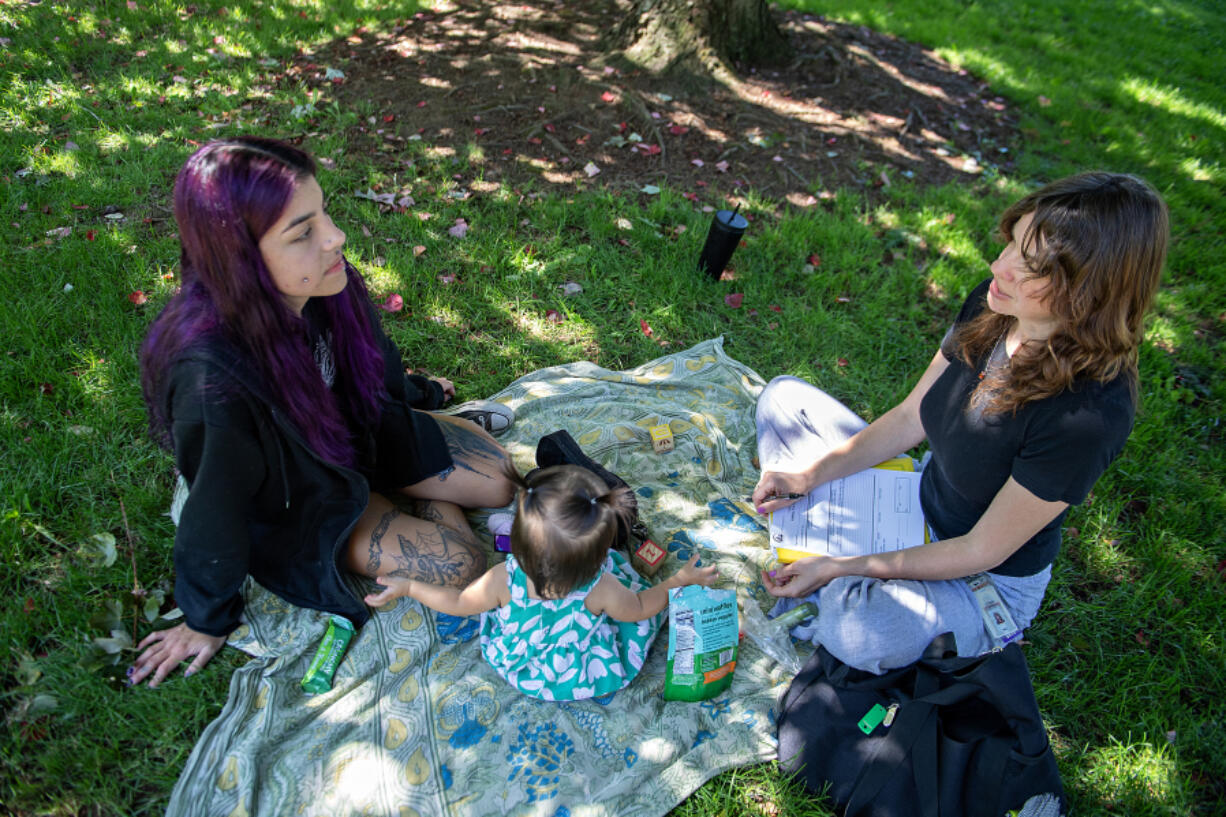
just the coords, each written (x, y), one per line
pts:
(328, 657)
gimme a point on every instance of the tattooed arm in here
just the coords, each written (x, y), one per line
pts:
(485, 593)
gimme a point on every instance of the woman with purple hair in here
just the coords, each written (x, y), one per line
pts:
(289, 414)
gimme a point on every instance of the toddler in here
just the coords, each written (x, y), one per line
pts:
(565, 617)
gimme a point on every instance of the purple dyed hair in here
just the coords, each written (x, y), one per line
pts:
(227, 196)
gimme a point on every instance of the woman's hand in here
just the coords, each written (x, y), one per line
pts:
(771, 492)
(166, 649)
(802, 577)
(448, 387)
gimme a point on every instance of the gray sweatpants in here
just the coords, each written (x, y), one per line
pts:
(874, 624)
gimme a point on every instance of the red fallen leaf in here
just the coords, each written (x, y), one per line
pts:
(646, 329)
(690, 196)
(1141, 638)
(678, 130)
(753, 313)
(79, 206)
(418, 250)
(621, 127)
(168, 276)
(1221, 568)
(744, 243)
(391, 117)
(700, 183)
(733, 299)
(90, 235)
(624, 242)
(843, 361)
(550, 128)
(534, 140)
(421, 104)
(507, 151)
(815, 260)
(775, 308)
(394, 303)
(486, 268)
(582, 140)
(28, 606)
(651, 150)
(480, 131)
(137, 297)
(447, 278)
(772, 325)
(48, 389)
(609, 96)
(553, 316)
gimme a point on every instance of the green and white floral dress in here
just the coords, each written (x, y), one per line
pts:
(556, 649)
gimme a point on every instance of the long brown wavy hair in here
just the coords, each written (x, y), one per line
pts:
(1100, 240)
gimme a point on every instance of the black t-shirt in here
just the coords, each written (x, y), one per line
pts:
(1055, 448)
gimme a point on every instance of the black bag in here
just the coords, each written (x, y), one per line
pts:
(559, 448)
(966, 737)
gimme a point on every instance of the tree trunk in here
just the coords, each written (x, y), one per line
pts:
(662, 35)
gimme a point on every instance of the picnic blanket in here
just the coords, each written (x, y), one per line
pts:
(418, 724)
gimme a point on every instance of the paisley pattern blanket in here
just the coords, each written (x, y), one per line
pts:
(418, 724)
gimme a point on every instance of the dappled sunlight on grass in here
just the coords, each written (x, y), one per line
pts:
(1132, 774)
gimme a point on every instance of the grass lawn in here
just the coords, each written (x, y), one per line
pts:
(100, 102)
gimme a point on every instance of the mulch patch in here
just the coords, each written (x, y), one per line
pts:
(526, 93)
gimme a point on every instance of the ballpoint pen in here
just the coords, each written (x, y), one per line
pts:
(777, 496)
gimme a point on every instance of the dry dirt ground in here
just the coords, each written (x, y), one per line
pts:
(530, 90)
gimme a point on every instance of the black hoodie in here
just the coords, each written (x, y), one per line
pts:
(262, 502)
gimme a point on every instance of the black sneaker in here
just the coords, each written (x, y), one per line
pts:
(493, 417)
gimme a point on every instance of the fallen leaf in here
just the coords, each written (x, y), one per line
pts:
(534, 140)
(28, 607)
(447, 278)
(394, 303)
(570, 288)
(1044, 101)
(550, 128)
(418, 250)
(421, 104)
(733, 299)
(90, 235)
(553, 316)
(48, 390)
(137, 297)
(60, 232)
(651, 150)
(775, 308)
(722, 167)
(772, 325)
(459, 229)
(678, 130)
(815, 260)
(842, 299)
(843, 361)
(649, 189)
(609, 96)
(591, 169)
(696, 162)
(646, 329)
(1142, 638)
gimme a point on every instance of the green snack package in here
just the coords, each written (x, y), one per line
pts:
(702, 643)
(328, 657)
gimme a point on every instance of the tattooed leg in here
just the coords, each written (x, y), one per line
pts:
(477, 480)
(388, 541)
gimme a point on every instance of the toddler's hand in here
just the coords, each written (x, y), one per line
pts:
(396, 588)
(691, 574)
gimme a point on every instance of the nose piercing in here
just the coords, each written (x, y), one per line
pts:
(306, 279)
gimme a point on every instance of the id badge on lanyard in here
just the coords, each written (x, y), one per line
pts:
(996, 616)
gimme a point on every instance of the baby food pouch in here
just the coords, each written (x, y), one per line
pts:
(702, 643)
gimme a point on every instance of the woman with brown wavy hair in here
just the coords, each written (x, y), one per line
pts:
(1030, 397)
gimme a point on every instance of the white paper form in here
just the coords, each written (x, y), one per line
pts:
(873, 511)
